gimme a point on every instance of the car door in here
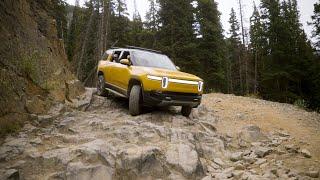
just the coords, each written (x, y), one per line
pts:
(122, 72)
(111, 69)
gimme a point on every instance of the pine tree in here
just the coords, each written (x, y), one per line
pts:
(152, 16)
(59, 12)
(73, 32)
(234, 64)
(212, 45)
(177, 33)
(150, 33)
(288, 52)
(119, 23)
(316, 23)
(257, 44)
(136, 28)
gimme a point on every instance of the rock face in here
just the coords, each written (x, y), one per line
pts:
(100, 140)
(183, 156)
(34, 70)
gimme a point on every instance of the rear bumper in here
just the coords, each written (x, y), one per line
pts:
(171, 99)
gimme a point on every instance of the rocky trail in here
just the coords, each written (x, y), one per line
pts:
(227, 137)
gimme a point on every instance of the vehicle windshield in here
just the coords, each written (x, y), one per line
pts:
(150, 59)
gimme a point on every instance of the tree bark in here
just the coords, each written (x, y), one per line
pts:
(79, 70)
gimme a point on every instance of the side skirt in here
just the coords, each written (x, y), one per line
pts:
(116, 90)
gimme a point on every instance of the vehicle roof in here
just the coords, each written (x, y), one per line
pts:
(135, 49)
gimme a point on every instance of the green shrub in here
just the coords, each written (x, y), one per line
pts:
(7, 126)
(301, 103)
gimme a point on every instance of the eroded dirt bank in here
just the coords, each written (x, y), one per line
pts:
(227, 137)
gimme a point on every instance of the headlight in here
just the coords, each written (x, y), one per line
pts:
(200, 86)
(165, 82)
(157, 78)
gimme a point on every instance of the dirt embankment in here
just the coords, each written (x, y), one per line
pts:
(34, 70)
(227, 137)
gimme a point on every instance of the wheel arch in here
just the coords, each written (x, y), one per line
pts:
(100, 73)
(134, 81)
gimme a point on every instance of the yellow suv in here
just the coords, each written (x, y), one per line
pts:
(147, 78)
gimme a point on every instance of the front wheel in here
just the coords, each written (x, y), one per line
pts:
(135, 100)
(186, 111)
(101, 86)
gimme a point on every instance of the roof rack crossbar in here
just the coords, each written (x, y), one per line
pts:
(140, 48)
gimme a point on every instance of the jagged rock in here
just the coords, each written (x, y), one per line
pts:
(18, 165)
(210, 146)
(306, 153)
(282, 134)
(36, 105)
(292, 148)
(62, 155)
(237, 174)
(176, 176)
(249, 159)
(66, 121)
(260, 161)
(236, 156)
(45, 120)
(13, 148)
(10, 174)
(74, 88)
(141, 162)
(219, 162)
(80, 171)
(83, 101)
(222, 175)
(207, 178)
(57, 175)
(262, 151)
(252, 133)
(32, 153)
(312, 173)
(239, 166)
(183, 156)
(28, 128)
(36, 141)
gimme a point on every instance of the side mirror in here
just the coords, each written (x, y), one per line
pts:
(178, 68)
(125, 62)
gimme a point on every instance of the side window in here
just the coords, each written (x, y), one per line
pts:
(125, 55)
(115, 56)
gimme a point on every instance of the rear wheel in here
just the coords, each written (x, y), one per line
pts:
(186, 111)
(101, 86)
(135, 100)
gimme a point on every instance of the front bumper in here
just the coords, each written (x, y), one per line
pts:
(151, 98)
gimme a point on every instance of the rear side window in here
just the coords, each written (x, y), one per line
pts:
(105, 56)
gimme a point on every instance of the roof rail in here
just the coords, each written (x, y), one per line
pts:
(145, 49)
(116, 48)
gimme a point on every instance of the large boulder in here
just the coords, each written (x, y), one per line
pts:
(252, 133)
(185, 158)
(140, 162)
(80, 171)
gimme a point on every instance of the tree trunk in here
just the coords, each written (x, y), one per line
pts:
(79, 68)
(241, 19)
(240, 74)
(256, 71)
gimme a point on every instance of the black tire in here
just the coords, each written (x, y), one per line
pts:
(186, 111)
(135, 100)
(101, 86)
